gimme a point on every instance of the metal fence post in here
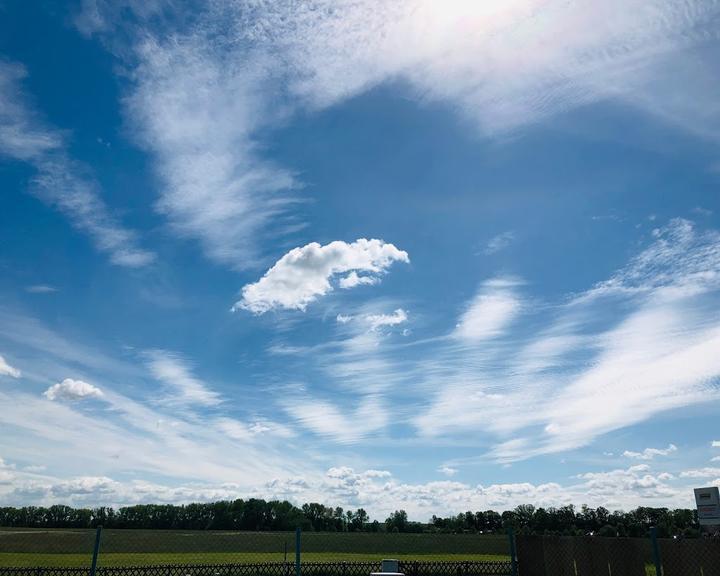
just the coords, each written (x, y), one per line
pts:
(513, 553)
(96, 551)
(298, 533)
(656, 551)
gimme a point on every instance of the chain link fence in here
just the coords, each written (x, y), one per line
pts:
(598, 556)
(689, 557)
(133, 552)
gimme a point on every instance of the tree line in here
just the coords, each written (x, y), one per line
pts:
(274, 515)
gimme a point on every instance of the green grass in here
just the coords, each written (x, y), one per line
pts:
(135, 559)
(73, 548)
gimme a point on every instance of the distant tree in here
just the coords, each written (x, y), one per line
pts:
(397, 521)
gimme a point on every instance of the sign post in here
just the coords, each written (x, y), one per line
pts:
(708, 507)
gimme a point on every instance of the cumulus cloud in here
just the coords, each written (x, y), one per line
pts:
(491, 311)
(447, 470)
(376, 490)
(7, 370)
(304, 274)
(59, 180)
(650, 453)
(716, 444)
(701, 473)
(70, 389)
(353, 279)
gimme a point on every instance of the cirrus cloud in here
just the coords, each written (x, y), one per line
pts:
(7, 370)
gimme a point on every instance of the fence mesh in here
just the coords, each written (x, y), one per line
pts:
(45, 552)
(691, 557)
(594, 556)
(26, 547)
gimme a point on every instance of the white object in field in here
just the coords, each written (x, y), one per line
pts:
(708, 506)
(389, 568)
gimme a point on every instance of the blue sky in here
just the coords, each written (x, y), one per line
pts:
(378, 254)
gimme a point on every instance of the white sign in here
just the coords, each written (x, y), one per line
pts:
(708, 506)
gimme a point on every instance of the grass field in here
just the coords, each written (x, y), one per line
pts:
(27, 547)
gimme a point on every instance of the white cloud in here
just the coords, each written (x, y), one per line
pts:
(195, 109)
(205, 93)
(701, 473)
(376, 321)
(184, 388)
(650, 453)
(716, 444)
(40, 289)
(70, 389)
(447, 470)
(352, 280)
(62, 184)
(7, 370)
(242, 431)
(499, 242)
(346, 426)
(158, 434)
(22, 134)
(58, 180)
(638, 345)
(491, 311)
(375, 490)
(502, 64)
(304, 274)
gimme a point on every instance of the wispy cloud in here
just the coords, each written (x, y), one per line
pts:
(40, 289)
(196, 107)
(132, 428)
(491, 311)
(7, 370)
(656, 356)
(344, 425)
(60, 181)
(304, 274)
(376, 321)
(499, 242)
(650, 453)
(183, 387)
(206, 91)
